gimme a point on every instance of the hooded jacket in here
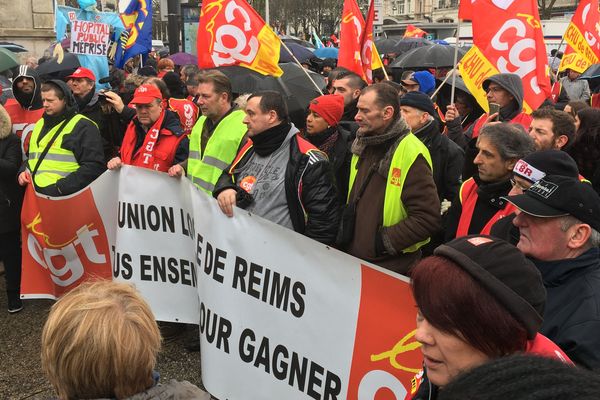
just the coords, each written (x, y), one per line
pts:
(84, 142)
(25, 110)
(11, 194)
(28, 101)
(512, 112)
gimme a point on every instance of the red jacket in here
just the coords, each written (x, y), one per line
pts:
(158, 149)
(521, 119)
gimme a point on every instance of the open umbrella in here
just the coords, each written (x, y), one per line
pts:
(294, 85)
(51, 69)
(592, 72)
(385, 45)
(300, 52)
(432, 56)
(15, 48)
(327, 52)
(293, 39)
(184, 58)
(406, 44)
(8, 59)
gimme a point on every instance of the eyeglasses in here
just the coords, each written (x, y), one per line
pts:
(517, 185)
(494, 89)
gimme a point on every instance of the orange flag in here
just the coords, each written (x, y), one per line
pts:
(413, 31)
(232, 33)
(511, 42)
(357, 50)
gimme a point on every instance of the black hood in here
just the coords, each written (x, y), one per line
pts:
(27, 101)
(71, 108)
(512, 83)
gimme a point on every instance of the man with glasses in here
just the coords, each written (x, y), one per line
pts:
(528, 171)
(154, 138)
(479, 204)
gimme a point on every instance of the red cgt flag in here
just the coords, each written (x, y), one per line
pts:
(413, 31)
(583, 33)
(232, 33)
(511, 42)
(357, 50)
(351, 31)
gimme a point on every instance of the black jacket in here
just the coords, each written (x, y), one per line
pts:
(11, 194)
(310, 191)
(488, 204)
(339, 156)
(110, 124)
(447, 158)
(85, 143)
(572, 316)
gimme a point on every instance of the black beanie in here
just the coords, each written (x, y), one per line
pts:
(418, 100)
(536, 165)
(504, 272)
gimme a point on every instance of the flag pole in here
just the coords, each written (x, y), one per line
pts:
(444, 82)
(454, 69)
(303, 70)
(554, 59)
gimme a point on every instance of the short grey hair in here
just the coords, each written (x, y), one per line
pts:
(510, 140)
(568, 221)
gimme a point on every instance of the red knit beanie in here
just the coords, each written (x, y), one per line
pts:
(330, 107)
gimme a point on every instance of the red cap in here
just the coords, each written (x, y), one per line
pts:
(83, 73)
(146, 94)
(330, 107)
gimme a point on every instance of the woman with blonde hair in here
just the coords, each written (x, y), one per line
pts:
(101, 341)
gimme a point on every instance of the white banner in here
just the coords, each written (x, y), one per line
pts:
(89, 38)
(281, 315)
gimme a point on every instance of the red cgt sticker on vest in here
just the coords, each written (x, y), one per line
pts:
(396, 175)
(248, 183)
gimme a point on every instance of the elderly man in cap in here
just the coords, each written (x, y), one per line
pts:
(65, 151)
(418, 111)
(89, 103)
(528, 171)
(559, 223)
(154, 138)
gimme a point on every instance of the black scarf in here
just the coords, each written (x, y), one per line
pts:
(325, 140)
(270, 140)
(509, 111)
(84, 101)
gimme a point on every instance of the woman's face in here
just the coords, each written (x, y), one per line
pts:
(315, 123)
(577, 122)
(445, 355)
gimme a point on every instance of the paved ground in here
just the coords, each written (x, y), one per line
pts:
(20, 373)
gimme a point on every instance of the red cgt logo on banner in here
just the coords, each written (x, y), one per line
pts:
(386, 356)
(64, 244)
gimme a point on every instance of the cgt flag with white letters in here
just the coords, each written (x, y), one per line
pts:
(280, 316)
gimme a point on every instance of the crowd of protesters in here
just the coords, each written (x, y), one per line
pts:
(494, 216)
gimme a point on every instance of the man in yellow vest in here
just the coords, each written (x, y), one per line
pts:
(391, 186)
(65, 152)
(216, 136)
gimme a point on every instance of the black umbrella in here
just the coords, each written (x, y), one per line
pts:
(300, 52)
(385, 45)
(293, 39)
(406, 44)
(294, 85)
(51, 69)
(433, 56)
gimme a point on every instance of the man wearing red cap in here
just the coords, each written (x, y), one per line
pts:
(83, 85)
(325, 112)
(154, 138)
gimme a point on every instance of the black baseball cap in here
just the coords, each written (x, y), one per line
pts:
(556, 196)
